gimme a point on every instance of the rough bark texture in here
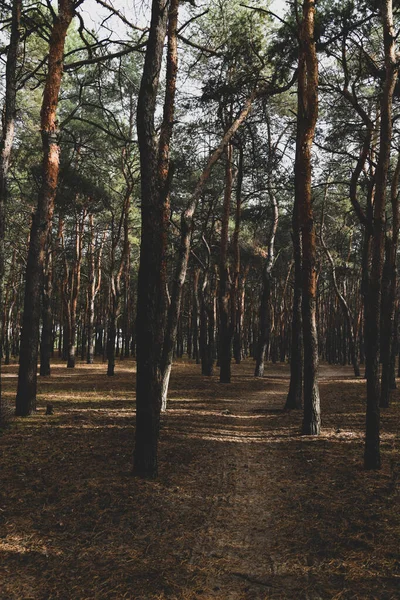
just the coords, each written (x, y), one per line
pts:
(27, 376)
(150, 303)
(372, 325)
(7, 138)
(306, 120)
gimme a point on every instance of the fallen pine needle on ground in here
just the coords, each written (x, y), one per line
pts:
(244, 506)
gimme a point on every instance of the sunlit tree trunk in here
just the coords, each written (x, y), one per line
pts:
(27, 376)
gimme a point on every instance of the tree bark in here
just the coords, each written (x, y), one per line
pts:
(295, 394)
(6, 143)
(151, 285)
(372, 458)
(389, 288)
(47, 316)
(184, 247)
(94, 283)
(265, 306)
(225, 327)
(307, 113)
(27, 376)
(235, 292)
(343, 303)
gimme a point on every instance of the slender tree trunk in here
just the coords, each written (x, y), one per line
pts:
(295, 394)
(27, 376)
(307, 112)
(47, 316)
(372, 326)
(389, 288)
(265, 306)
(225, 328)
(345, 309)
(75, 289)
(238, 342)
(235, 299)
(6, 143)
(91, 294)
(196, 316)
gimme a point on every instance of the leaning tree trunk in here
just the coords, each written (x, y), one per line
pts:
(307, 112)
(184, 250)
(27, 376)
(372, 326)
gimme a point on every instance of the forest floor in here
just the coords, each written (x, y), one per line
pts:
(245, 508)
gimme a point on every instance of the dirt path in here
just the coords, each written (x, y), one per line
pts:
(244, 508)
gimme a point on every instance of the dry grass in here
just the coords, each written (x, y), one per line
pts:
(244, 508)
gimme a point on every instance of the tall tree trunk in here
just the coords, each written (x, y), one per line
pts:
(47, 316)
(295, 394)
(265, 306)
(236, 261)
(115, 280)
(94, 283)
(6, 143)
(238, 343)
(372, 458)
(307, 112)
(75, 288)
(196, 316)
(225, 327)
(27, 376)
(343, 303)
(151, 284)
(389, 288)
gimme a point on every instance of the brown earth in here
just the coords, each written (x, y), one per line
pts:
(244, 507)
